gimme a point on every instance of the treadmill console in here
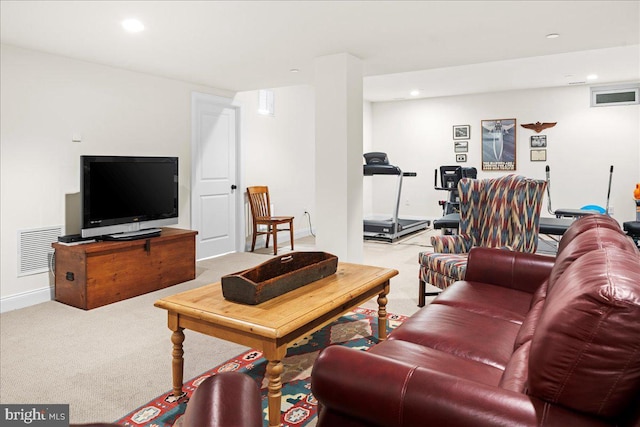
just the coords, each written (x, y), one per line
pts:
(376, 158)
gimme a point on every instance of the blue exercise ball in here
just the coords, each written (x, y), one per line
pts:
(594, 208)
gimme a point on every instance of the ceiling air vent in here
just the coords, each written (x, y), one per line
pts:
(615, 95)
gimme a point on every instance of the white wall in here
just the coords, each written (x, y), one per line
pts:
(46, 99)
(417, 135)
(278, 151)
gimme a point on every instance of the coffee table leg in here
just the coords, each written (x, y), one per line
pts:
(274, 373)
(177, 338)
(382, 313)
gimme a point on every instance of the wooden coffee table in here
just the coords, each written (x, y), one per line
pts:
(271, 326)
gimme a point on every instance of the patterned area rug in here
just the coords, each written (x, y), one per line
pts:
(356, 329)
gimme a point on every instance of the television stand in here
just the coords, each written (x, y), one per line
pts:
(133, 235)
(100, 273)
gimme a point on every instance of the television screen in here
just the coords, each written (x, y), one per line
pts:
(131, 192)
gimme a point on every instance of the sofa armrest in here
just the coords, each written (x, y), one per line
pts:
(451, 244)
(516, 270)
(379, 391)
(227, 399)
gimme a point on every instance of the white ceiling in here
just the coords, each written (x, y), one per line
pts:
(440, 47)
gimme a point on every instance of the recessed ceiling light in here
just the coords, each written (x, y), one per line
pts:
(414, 92)
(294, 70)
(553, 36)
(592, 77)
(132, 25)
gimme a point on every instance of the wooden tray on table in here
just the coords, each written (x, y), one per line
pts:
(278, 276)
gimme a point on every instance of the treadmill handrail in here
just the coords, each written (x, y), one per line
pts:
(396, 213)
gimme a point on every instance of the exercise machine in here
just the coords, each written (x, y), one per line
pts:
(632, 228)
(576, 213)
(389, 229)
(549, 226)
(450, 176)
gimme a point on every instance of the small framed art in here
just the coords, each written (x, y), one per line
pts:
(461, 132)
(461, 158)
(460, 146)
(538, 141)
(539, 155)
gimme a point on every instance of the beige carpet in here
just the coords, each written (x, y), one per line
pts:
(108, 361)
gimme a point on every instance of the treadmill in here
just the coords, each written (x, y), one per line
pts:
(393, 228)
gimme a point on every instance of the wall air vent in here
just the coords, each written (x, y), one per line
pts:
(615, 95)
(34, 249)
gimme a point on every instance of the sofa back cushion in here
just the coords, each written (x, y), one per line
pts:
(585, 223)
(596, 237)
(533, 316)
(585, 351)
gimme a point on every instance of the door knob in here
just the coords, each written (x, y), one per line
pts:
(233, 187)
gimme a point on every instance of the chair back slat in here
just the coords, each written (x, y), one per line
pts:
(259, 201)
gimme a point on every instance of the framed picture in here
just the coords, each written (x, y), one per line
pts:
(461, 158)
(539, 155)
(461, 132)
(538, 141)
(460, 146)
(499, 145)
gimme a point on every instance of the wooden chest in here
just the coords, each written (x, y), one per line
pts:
(95, 274)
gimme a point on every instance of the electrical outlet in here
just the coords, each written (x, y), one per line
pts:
(611, 211)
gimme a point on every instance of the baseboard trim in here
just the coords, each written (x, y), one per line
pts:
(26, 299)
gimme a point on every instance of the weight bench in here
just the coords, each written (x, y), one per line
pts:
(551, 226)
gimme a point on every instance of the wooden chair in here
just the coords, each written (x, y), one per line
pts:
(260, 204)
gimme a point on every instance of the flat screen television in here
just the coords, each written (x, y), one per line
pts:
(127, 197)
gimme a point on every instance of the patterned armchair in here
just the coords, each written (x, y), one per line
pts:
(501, 213)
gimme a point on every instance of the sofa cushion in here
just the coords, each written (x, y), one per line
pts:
(533, 316)
(585, 223)
(460, 332)
(587, 241)
(489, 300)
(426, 357)
(515, 270)
(585, 351)
(516, 372)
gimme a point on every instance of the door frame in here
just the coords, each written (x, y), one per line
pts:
(239, 192)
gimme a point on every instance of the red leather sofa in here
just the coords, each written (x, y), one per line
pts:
(524, 340)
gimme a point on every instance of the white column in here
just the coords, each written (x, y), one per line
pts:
(338, 86)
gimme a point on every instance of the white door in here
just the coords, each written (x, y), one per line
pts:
(213, 175)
